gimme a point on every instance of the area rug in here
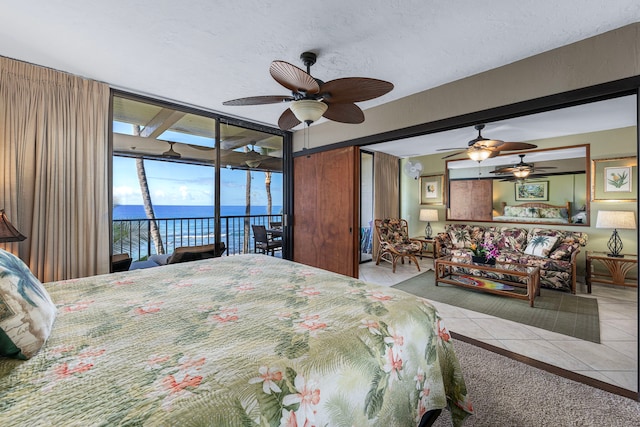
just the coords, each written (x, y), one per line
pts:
(506, 392)
(555, 311)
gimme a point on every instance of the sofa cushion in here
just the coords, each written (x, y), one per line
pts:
(507, 238)
(517, 257)
(462, 236)
(570, 243)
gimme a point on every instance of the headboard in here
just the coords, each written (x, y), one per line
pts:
(566, 206)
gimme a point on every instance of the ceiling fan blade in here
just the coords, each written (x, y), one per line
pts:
(344, 113)
(354, 89)
(259, 100)
(293, 78)
(288, 120)
(513, 146)
(453, 154)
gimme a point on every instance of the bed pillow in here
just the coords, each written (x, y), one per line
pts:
(541, 245)
(26, 310)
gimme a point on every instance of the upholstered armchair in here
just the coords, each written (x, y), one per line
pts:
(395, 244)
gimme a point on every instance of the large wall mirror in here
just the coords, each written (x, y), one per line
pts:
(556, 191)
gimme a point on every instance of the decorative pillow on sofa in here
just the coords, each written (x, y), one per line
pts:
(540, 245)
(460, 236)
(26, 310)
(508, 238)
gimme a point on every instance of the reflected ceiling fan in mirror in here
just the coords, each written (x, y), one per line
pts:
(481, 148)
(520, 170)
(311, 98)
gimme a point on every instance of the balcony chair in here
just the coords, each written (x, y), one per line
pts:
(195, 253)
(120, 262)
(393, 236)
(262, 241)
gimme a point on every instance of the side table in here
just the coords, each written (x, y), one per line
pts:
(617, 269)
(426, 242)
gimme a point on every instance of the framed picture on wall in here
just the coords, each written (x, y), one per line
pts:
(432, 190)
(532, 191)
(612, 179)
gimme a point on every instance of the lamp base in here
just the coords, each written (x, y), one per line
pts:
(615, 245)
(427, 231)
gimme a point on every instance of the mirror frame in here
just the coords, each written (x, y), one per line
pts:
(587, 160)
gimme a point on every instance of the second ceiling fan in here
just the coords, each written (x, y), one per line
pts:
(311, 98)
(481, 148)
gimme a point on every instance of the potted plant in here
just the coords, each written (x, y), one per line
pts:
(484, 253)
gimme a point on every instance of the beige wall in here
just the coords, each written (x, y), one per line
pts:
(607, 57)
(605, 144)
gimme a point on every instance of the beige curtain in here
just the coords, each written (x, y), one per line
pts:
(54, 158)
(386, 188)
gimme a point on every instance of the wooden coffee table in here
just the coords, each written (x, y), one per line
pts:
(521, 277)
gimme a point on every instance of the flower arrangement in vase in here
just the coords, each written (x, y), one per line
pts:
(484, 253)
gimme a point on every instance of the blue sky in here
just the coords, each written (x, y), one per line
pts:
(181, 184)
(188, 185)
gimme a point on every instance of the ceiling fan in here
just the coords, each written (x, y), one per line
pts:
(170, 153)
(521, 169)
(311, 98)
(481, 148)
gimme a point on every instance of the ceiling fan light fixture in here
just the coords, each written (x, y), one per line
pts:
(522, 173)
(308, 110)
(479, 154)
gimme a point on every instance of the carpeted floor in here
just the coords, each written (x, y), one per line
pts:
(505, 392)
(555, 311)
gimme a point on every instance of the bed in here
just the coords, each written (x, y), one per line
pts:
(239, 340)
(535, 212)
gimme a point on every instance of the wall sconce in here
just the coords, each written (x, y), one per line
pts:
(308, 110)
(615, 220)
(428, 215)
(8, 232)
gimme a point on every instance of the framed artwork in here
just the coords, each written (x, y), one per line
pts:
(612, 179)
(532, 191)
(432, 190)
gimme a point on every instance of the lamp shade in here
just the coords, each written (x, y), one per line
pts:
(616, 219)
(428, 214)
(308, 110)
(8, 232)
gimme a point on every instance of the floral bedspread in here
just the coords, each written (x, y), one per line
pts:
(235, 341)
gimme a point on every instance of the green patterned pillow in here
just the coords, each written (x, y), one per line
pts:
(26, 310)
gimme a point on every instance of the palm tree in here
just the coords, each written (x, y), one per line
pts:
(146, 200)
(267, 184)
(247, 211)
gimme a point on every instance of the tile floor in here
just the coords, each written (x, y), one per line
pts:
(614, 361)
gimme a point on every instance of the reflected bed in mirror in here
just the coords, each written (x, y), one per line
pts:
(554, 192)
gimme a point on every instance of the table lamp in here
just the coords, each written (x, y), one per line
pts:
(8, 232)
(428, 215)
(615, 220)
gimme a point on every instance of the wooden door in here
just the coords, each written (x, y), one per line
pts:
(325, 215)
(471, 199)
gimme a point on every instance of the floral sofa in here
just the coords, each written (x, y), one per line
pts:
(554, 251)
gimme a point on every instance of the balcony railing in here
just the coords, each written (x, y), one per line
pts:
(133, 236)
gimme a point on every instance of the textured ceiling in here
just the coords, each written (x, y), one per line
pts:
(202, 53)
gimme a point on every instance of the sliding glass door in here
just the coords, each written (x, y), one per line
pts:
(183, 177)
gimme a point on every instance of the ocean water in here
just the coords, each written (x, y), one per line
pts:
(195, 227)
(173, 211)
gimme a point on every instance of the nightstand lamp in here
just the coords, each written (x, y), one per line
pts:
(8, 232)
(615, 220)
(428, 215)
